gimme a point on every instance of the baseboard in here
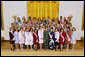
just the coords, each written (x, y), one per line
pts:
(5, 41)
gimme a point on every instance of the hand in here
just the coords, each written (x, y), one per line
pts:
(41, 38)
(50, 39)
(44, 40)
(11, 40)
(37, 40)
(66, 38)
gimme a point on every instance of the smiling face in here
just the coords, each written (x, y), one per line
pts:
(16, 29)
(56, 29)
(35, 30)
(21, 29)
(62, 31)
(46, 29)
(51, 29)
(40, 27)
(27, 29)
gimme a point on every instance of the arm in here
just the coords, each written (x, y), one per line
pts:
(58, 36)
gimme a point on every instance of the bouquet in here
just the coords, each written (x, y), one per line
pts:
(51, 36)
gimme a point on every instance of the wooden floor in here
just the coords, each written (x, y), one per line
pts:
(5, 51)
(6, 45)
(76, 52)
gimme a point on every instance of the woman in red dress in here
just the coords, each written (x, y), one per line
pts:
(35, 40)
(68, 37)
(62, 38)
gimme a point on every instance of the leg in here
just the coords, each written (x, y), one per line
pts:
(40, 46)
(27, 47)
(61, 47)
(73, 47)
(11, 46)
(31, 47)
(16, 46)
(21, 46)
(56, 47)
(45, 45)
(67, 47)
(34, 47)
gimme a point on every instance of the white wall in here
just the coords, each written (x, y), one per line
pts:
(75, 8)
(11, 8)
(20, 9)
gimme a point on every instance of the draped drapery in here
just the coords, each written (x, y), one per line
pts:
(83, 19)
(2, 21)
(43, 9)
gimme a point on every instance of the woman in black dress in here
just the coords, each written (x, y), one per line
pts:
(11, 35)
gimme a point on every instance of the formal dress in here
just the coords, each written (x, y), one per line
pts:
(35, 38)
(62, 38)
(21, 37)
(46, 38)
(26, 38)
(51, 40)
(30, 38)
(73, 37)
(68, 36)
(57, 38)
(40, 34)
(11, 35)
(16, 37)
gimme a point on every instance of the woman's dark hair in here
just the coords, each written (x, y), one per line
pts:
(73, 28)
(29, 17)
(60, 16)
(13, 29)
(11, 23)
(61, 30)
(68, 28)
(51, 27)
(40, 26)
(21, 28)
(57, 29)
(46, 27)
(35, 29)
(31, 29)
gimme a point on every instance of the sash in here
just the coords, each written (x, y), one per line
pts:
(35, 34)
(68, 37)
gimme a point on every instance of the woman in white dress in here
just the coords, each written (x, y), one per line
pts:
(21, 38)
(16, 38)
(27, 37)
(73, 37)
(40, 34)
(56, 38)
(30, 40)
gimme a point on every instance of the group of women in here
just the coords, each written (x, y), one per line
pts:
(47, 33)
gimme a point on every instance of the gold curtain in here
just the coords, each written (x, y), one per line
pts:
(83, 19)
(43, 9)
(2, 21)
